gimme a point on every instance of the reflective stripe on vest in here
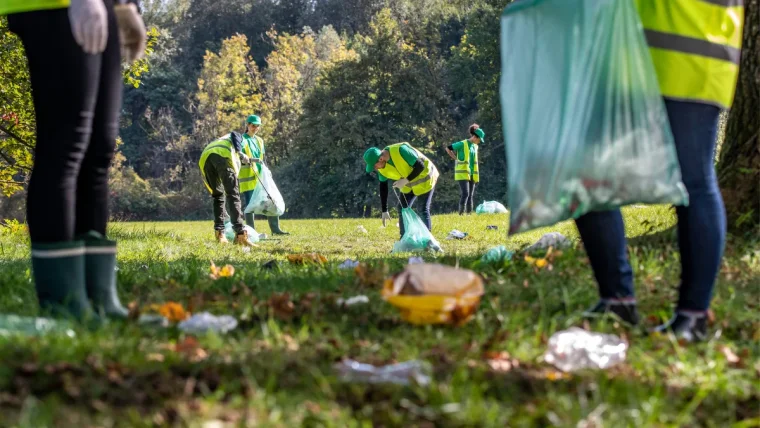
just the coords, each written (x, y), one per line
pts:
(423, 183)
(8, 7)
(247, 177)
(222, 147)
(695, 46)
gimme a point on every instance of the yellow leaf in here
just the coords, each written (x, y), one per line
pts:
(541, 263)
(227, 271)
(530, 260)
(173, 311)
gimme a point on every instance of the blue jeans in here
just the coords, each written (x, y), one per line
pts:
(407, 200)
(701, 225)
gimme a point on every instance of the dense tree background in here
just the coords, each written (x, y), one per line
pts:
(329, 78)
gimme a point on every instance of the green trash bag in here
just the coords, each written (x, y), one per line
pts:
(584, 122)
(14, 325)
(229, 233)
(491, 207)
(416, 237)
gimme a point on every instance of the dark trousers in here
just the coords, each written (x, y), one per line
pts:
(222, 179)
(77, 100)
(408, 199)
(701, 225)
(466, 195)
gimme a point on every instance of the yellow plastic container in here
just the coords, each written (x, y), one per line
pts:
(447, 295)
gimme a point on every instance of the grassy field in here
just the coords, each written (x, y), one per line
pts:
(275, 369)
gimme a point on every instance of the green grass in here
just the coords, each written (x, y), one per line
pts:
(277, 371)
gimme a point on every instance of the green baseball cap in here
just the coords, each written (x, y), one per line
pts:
(482, 135)
(254, 120)
(371, 156)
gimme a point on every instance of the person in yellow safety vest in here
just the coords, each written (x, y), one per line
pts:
(74, 50)
(412, 172)
(253, 146)
(695, 47)
(465, 156)
(220, 164)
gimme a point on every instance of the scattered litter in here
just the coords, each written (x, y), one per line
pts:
(399, 374)
(457, 234)
(229, 233)
(361, 229)
(434, 294)
(492, 227)
(272, 264)
(353, 300)
(266, 198)
(204, 322)
(491, 207)
(415, 260)
(348, 264)
(11, 325)
(552, 239)
(575, 349)
(497, 255)
(416, 237)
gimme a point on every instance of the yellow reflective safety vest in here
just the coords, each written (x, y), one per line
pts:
(15, 6)
(423, 183)
(222, 147)
(462, 168)
(695, 47)
(248, 178)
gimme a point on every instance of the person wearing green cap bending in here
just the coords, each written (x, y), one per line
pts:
(465, 155)
(253, 146)
(412, 172)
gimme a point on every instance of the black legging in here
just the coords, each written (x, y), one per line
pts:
(77, 99)
(466, 195)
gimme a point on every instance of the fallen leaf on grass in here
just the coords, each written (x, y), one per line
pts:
(281, 305)
(540, 263)
(191, 348)
(554, 375)
(501, 362)
(731, 357)
(304, 259)
(172, 311)
(224, 272)
(371, 276)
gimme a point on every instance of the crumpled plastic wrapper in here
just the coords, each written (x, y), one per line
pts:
(399, 374)
(497, 255)
(555, 240)
(434, 294)
(576, 349)
(457, 234)
(204, 322)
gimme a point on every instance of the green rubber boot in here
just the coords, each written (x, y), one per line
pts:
(274, 226)
(100, 276)
(59, 278)
(249, 220)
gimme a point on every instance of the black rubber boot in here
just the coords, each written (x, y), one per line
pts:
(626, 311)
(100, 276)
(59, 277)
(690, 327)
(274, 226)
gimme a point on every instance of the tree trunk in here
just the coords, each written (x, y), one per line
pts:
(739, 167)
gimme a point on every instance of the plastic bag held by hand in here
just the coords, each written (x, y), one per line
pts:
(89, 24)
(416, 237)
(266, 199)
(594, 133)
(132, 33)
(576, 349)
(400, 374)
(434, 294)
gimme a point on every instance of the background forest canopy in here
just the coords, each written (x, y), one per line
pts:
(329, 79)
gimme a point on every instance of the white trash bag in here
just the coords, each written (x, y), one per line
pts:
(266, 199)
